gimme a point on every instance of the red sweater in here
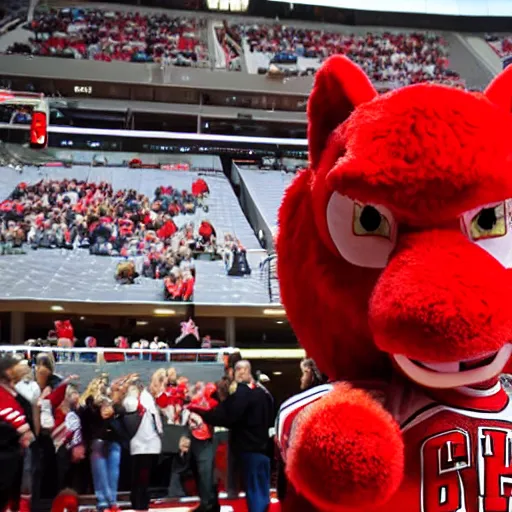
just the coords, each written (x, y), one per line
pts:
(11, 411)
(67, 430)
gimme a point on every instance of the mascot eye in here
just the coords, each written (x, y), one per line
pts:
(369, 221)
(489, 226)
(364, 235)
(489, 222)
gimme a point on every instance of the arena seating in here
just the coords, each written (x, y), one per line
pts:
(386, 56)
(11, 10)
(230, 49)
(501, 44)
(108, 35)
(68, 271)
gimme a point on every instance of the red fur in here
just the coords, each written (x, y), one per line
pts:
(346, 86)
(499, 90)
(428, 153)
(66, 501)
(329, 288)
(432, 302)
(349, 459)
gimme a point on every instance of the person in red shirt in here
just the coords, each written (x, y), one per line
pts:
(15, 433)
(202, 448)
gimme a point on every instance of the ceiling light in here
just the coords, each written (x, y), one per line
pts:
(82, 318)
(277, 373)
(164, 312)
(141, 322)
(57, 308)
(280, 322)
(274, 312)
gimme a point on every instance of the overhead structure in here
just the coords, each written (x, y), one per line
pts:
(29, 108)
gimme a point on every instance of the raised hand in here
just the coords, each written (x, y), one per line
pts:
(71, 378)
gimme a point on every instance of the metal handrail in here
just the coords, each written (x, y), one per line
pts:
(83, 355)
(268, 271)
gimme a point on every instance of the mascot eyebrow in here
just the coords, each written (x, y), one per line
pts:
(401, 231)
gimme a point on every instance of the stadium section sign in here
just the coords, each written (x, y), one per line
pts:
(493, 8)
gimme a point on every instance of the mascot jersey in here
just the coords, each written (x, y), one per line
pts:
(448, 469)
(401, 232)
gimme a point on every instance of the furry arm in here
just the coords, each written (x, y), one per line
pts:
(353, 443)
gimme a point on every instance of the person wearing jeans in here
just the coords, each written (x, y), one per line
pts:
(249, 413)
(105, 463)
(106, 431)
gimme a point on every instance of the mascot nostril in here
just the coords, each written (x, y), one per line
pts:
(404, 245)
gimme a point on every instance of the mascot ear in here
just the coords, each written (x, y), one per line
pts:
(340, 86)
(499, 91)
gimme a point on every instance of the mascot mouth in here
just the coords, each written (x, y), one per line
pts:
(457, 373)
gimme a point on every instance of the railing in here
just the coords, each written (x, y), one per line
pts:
(118, 355)
(268, 271)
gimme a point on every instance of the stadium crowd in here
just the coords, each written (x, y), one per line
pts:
(229, 46)
(385, 57)
(52, 437)
(501, 44)
(71, 214)
(63, 336)
(107, 35)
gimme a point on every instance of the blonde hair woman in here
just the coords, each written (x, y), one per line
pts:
(95, 389)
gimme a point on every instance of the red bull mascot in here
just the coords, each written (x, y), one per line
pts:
(394, 250)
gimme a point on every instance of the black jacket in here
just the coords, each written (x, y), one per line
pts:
(95, 427)
(249, 413)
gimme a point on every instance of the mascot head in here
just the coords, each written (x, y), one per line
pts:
(394, 244)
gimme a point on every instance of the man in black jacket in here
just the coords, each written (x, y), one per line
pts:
(249, 414)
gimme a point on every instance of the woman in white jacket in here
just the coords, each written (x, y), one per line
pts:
(145, 445)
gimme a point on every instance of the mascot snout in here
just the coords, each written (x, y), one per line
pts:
(442, 303)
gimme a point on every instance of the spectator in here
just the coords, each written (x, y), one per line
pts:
(234, 468)
(73, 214)
(180, 468)
(15, 433)
(67, 436)
(311, 376)
(203, 448)
(44, 371)
(126, 36)
(249, 413)
(28, 393)
(145, 444)
(107, 435)
(391, 57)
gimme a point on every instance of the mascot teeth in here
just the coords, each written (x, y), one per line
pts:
(442, 367)
(453, 375)
(457, 366)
